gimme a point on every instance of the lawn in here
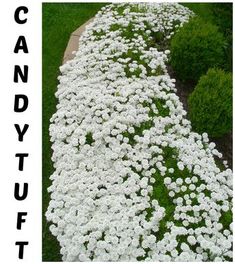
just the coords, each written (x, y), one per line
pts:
(58, 22)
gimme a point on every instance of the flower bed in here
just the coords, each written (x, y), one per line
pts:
(131, 180)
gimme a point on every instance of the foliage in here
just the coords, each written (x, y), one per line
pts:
(219, 14)
(223, 16)
(210, 104)
(195, 48)
(223, 13)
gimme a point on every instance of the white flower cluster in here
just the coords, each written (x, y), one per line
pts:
(131, 180)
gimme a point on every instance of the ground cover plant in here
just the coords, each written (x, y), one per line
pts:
(131, 179)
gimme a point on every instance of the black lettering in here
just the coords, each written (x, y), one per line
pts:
(21, 245)
(17, 190)
(21, 45)
(21, 160)
(19, 9)
(20, 219)
(21, 132)
(23, 75)
(17, 107)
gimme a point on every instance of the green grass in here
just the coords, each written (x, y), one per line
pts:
(58, 22)
(204, 10)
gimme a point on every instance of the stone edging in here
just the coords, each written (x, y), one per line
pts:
(73, 44)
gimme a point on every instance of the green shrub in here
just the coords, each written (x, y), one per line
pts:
(210, 104)
(195, 48)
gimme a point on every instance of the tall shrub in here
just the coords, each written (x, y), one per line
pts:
(195, 48)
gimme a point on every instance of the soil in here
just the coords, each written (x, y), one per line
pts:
(224, 144)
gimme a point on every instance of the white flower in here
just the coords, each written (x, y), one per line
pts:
(167, 180)
(179, 181)
(180, 165)
(191, 240)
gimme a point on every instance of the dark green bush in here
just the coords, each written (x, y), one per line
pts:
(210, 104)
(223, 14)
(223, 18)
(195, 48)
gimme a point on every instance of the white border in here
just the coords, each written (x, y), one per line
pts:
(31, 230)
